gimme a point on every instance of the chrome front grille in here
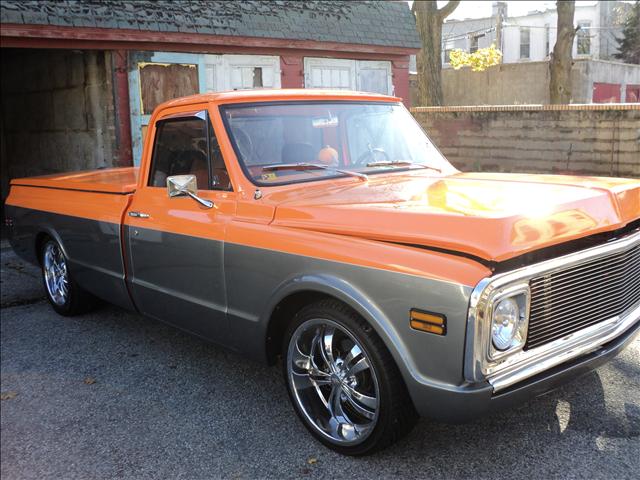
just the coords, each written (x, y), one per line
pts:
(567, 300)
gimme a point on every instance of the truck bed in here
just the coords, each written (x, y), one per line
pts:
(83, 211)
(113, 180)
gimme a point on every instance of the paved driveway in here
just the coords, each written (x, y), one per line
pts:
(112, 394)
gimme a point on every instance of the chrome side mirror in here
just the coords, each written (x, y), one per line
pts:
(181, 185)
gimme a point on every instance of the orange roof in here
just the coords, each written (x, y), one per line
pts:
(272, 95)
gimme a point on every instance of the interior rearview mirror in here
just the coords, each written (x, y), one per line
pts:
(181, 185)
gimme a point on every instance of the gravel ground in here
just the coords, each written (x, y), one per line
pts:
(114, 395)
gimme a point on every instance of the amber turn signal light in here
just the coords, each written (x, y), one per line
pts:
(428, 322)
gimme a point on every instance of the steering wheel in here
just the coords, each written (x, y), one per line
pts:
(243, 141)
(373, 155)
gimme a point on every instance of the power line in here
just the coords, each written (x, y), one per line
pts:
(609, 27)
(484, 31)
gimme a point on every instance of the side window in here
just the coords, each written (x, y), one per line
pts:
(180, 149)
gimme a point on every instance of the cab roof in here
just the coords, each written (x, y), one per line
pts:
(278, 95)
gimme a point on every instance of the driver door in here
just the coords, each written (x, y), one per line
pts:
(175, 245)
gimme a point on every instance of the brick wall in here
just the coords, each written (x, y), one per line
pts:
(578, 139)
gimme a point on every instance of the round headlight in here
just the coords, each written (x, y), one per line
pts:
(506, 316)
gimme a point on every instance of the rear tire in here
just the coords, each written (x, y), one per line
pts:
(64, 294)
(343, 382)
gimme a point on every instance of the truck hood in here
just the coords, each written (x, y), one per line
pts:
(491, 216)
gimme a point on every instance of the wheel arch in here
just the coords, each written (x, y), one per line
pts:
(300, 291)
(41, 237)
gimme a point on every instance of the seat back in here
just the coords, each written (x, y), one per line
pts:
(297, 153)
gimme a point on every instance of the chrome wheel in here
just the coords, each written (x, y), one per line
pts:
(56, 277)
(333, 381)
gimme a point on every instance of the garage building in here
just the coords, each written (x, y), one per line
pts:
(81, 78)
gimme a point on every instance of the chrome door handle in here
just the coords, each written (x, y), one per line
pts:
(139, 214)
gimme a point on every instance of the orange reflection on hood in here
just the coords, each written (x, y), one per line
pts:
(533, 230)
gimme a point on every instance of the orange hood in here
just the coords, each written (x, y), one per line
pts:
(491, 216)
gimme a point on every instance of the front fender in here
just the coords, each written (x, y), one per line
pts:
(346, 292)
(259, 280)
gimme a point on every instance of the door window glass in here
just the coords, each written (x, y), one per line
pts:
(180, 149)
(183, 148)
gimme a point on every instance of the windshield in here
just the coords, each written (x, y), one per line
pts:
(303, 141)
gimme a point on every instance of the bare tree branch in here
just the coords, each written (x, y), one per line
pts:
(448, 9)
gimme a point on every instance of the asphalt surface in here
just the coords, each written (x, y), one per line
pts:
(115, 395)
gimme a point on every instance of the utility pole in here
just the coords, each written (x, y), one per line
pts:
(499, 19)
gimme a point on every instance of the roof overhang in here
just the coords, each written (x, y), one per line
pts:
(53, 36)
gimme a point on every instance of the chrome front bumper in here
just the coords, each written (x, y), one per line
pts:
(524, 364)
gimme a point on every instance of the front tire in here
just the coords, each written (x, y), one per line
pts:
(64, 294)
(343, 382)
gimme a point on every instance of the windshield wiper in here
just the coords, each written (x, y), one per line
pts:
(401, 163)
(311, 166)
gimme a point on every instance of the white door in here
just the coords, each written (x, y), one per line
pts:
(374, 77)
(241, 72)
(330, 73)
(337, 73)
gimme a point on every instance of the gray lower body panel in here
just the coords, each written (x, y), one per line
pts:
(178, 279)
(93, 249)
(227, 292)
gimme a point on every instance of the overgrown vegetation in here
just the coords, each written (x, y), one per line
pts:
(629, 43)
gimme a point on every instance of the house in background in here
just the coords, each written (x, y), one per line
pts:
(526, 43)
(531, 37)
(81, 78)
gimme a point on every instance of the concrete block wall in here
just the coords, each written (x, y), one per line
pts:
(601, 140)
(57, 112)
(527, 82)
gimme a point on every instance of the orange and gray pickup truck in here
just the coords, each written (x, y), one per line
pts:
(324, 229)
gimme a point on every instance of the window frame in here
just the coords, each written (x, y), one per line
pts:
(447, 47)
(375, 65)
(547, 39)
(353, 68)
(219, 70)
(585, 26)
(474, 44)
(528, 43)
(202, 115)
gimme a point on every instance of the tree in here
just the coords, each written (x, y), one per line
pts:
(429, 19)
(629, 43)
(561, 58)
